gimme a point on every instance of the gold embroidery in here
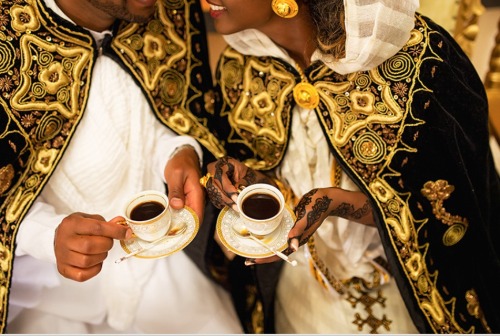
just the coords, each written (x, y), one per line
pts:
(437, 192)
(160, 55)
(54, 90)
(161, 48)
(474, 308)
(369, 148)
(24, 18)
(370, 320)
(6, 176)
(258, 92)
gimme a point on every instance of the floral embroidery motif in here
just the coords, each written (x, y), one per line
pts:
(24, 18)
(438, 192)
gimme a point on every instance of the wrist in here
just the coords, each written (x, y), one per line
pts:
(182, 148)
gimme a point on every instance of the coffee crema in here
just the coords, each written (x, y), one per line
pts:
(146, 210)
(260, 206)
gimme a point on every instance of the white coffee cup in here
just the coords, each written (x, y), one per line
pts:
(148, 215)
(261, 207)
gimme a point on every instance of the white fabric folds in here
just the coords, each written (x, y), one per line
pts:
(376, 30)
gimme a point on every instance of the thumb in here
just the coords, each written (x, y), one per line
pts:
(176, 196)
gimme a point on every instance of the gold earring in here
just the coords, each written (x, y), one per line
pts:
(285, 8)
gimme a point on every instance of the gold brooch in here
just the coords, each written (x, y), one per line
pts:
(306, 95)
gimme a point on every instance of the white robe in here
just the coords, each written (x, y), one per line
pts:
(119, 148)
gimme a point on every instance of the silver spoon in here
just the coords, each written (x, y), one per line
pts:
(172, 233)
(242, 231)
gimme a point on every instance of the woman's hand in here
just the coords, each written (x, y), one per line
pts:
(228, 177)
(318, 204)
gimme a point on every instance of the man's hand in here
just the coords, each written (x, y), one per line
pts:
(182, 175)
(82, 242)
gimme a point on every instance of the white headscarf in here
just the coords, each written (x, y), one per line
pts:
(376, 30)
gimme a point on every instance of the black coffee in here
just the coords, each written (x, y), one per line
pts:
(146, 210)
(260, 206)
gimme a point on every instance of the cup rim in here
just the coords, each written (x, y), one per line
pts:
(266, 187)
(141, 194)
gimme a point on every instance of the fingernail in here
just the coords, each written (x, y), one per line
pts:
(176, 202)
(294, 244)
(249, 262)
(129, 234)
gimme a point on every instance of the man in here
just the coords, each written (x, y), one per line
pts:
(87, 88)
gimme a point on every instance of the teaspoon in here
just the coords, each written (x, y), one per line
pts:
(172, 233)
(242, 231)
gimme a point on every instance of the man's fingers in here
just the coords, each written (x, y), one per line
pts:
(92, 227)
(79, 274)
(84, 260)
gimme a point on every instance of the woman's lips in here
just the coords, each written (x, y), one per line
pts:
(216, 11)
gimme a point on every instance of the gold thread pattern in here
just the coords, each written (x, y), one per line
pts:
(474, 308)
(161, 56)
(44, 76)
(257, 115)
(437, 192)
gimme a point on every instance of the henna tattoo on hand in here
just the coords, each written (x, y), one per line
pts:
(250, 177)
(363, 211)
(347, 211)
(319, 208)
(219, 168)
(300, 209)
(214, 196)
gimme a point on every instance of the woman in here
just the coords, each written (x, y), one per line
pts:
(374, 122)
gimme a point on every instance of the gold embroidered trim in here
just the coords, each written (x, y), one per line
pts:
(45, 71)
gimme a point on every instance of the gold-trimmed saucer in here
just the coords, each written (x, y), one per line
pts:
(170, 245)
(245, 247)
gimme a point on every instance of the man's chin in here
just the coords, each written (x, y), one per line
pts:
(139, 18)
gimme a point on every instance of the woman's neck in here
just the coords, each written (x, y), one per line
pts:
(296, 35)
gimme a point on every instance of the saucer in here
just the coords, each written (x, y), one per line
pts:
(170, 245)
(246, 247)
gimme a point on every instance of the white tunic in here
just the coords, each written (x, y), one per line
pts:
(119, 148)
(303, 306)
